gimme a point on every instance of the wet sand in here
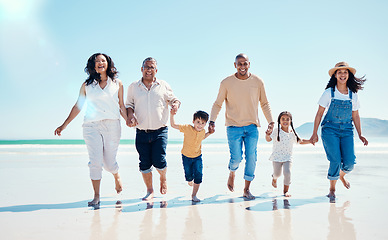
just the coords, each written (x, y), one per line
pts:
(45, 190)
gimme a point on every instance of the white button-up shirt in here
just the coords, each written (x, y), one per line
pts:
(150, 106)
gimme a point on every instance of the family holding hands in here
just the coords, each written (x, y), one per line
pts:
(150, 103)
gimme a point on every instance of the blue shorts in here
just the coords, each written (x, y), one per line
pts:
(193, 168)
(151, 146)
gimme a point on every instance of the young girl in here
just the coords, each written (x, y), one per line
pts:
(282, 149)
(341, 100)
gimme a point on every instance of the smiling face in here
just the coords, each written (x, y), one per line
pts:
(149, 70)
(342, 76)
(101, 64)
(242, 65)
(199, 124)
(285, 122)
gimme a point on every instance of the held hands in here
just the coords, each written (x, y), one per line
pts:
(132, 122)
(172, 111)
(212, 127)
(175, 107)
(270, 128)
(314, 138)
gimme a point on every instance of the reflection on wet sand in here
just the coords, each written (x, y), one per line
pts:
(250, 223)
(193, 224)
(153, 229)
(340, 226)
(96, 231)
(281, 228)
(95, 226)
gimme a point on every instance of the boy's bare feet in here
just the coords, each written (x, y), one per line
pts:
(118, 184)
(95, 201)
(195, 199)
(231, 181)
(248, 195)
(148, 196)
(274, 184)
(191, 183)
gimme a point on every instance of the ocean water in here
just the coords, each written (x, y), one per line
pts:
(308, 160)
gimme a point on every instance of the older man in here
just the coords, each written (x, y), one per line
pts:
(147, 106)
(242, 93)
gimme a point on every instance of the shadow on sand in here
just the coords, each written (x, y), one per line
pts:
(135, 205)
(285, 203)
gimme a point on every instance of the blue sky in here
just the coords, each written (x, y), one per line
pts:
(44, 46)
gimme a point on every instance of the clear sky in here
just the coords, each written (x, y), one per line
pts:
(44, 46)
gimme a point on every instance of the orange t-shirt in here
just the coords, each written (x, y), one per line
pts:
(192, 140)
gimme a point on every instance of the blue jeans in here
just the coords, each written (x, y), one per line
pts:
(151, 147)
(193, 168)
(237, 137)
(339, 148)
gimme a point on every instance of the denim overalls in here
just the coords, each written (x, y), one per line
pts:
(337, 136)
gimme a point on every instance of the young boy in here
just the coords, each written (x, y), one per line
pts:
(191, 150)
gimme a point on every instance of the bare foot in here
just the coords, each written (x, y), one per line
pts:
(118, 184)
(195, 199)
(163, 186)
(148, 196)
(274, 184)
(331, 196)
(286, 194)
(344, 181)
(248, 195)
(285, 191)
(95, 201)
(231, 181)
(191, 183)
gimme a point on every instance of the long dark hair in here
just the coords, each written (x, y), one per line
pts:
(91, 71)
(353, 83)
(292, 125)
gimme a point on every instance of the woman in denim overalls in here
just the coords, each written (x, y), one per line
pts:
(341, 100)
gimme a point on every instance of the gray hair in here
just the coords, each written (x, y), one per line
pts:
(149, 59)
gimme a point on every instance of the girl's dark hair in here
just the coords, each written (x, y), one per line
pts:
(91, 71)
(292, 125)
(353, 83)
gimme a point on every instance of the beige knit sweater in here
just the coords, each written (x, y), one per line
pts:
(242, 99)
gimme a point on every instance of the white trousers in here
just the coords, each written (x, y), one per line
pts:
(277, 171)
(102, 139)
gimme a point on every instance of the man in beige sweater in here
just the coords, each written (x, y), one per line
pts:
(242, 93)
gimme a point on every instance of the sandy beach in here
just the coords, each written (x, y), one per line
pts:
(45, 190)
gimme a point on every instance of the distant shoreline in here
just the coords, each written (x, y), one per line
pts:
(132, 141)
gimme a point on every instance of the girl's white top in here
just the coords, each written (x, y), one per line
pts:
(102, 103)
(282, 150)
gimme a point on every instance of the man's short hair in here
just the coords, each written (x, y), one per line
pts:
(201, 115)
(242, 55)
(149, 59)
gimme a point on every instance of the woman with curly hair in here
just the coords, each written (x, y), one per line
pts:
(103, 92)
(341, 100)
